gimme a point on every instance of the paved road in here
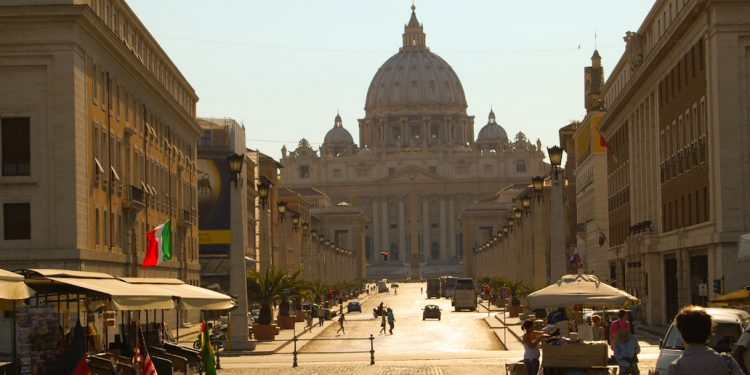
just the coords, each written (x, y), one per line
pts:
(460, 343)
(456, 332)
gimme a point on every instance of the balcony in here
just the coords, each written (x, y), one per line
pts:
(184, 218)
(134, 198)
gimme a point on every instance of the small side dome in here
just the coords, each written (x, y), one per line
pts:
(492, 132)
(338, 135)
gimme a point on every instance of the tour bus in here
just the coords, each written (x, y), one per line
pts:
(447, 283)
(465, 295)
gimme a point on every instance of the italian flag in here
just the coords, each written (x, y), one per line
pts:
(159, 245)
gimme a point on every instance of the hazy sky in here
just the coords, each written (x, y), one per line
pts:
(283, 68)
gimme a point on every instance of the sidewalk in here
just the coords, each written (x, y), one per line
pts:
(189, 334)
(508, 332)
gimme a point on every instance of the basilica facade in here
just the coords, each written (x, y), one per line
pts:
(417, 164)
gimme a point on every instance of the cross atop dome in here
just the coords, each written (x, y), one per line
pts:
(414, 36)
(337, 122)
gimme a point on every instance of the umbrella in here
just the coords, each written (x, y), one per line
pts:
(740, 295)
(12, 286)
(579, 289)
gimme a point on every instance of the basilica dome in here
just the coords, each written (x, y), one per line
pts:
(492, 131)
(338, 135)
(415, 78)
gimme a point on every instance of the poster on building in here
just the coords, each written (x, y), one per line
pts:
(213, 207)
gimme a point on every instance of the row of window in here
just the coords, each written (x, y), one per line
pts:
(684, 161)
(304, 170)
(689, 68)
(117, 21)
(686, 210)
(618, 232)
(685, 130)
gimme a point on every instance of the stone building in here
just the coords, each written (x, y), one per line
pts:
(592, 217)
(679, 161)
(415, 142)
(98, 141)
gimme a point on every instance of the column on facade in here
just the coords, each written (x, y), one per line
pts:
(402, 229)
(443, 231)
(426, 228)
(376, 246)
(384, 225)
(452, 245)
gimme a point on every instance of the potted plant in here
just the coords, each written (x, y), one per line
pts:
(517, 290)
(265, 289)
(285, 319)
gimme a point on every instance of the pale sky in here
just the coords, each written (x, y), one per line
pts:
(285, 67)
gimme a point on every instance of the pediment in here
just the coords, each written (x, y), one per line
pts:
(412, 174)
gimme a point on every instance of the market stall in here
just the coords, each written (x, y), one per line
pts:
(12, 290)
(570, 354)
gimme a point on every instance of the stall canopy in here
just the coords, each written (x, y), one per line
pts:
(190, 297)
(12, 286)
(579, 289)
(740, 296)
(124, 296)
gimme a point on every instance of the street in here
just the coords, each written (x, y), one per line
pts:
(459, 343)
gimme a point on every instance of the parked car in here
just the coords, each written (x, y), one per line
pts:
(431, 312)
(328, 314)
(729, 324)
(354, 305)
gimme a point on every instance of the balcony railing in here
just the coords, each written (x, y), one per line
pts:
(16, 168)
(134, 197)
(184, 217)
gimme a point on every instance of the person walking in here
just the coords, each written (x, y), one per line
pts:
(391, 320)
(341, 324)
(620, 323)
(740, 352)
(309, 321)
(382, 321)
(626, 353)
(694, 325)
(321, 316)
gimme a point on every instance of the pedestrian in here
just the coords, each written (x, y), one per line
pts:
(740, 353)
(694, 325)
(391, 320)
(309, 320)
(321, 316)
(531, 340)
(341, 324)
(421, 290)
(597, 331)
(382, 321)
(620, 323)
(626, 352)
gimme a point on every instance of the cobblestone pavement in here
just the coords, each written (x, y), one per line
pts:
(375, 370)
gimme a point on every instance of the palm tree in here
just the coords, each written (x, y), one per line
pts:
(518, 289)
(265, 288)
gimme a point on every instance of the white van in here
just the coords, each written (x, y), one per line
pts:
(729, 325)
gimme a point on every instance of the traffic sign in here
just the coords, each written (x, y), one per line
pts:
(505, 292)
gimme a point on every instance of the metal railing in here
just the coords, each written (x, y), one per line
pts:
(296, 353)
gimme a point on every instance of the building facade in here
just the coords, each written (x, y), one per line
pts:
(416, 138)
(98, 135)
(676, 122)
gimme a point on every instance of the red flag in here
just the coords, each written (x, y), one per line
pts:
(603, 142)
(602, 238)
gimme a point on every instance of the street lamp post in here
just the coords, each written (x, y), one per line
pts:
(238, 333)
(558, 265)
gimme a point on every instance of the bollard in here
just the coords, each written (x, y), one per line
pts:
(294, 364)
(218, 357)
(372, 350)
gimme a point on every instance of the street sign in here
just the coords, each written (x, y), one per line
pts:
(505, 292)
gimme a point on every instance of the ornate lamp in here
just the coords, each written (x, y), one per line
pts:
(538, 184)
(281, 205)
(555, 158)
(263, 189)
(235, 162)
(295, 221)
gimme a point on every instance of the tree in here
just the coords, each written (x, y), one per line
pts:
(518, 289)
(265, 289)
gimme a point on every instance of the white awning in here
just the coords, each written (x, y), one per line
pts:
(190, 297)
(124, 296)
(12, 286)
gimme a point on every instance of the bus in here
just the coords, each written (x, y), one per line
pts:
(465, 295)
(447, 283)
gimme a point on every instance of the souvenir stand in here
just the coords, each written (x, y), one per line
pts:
(12, 290)
(563, 355)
